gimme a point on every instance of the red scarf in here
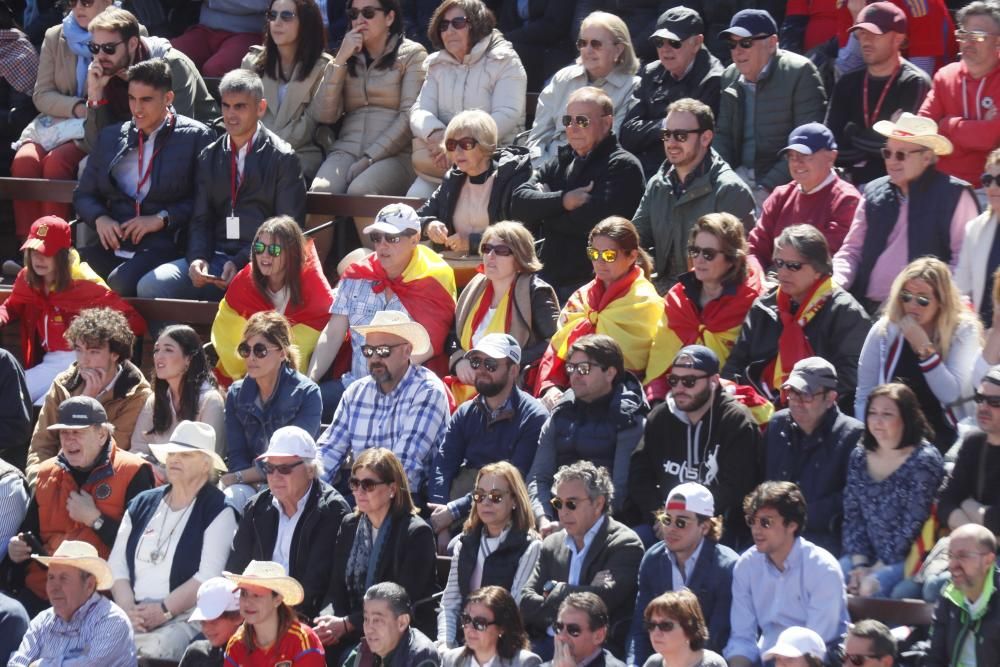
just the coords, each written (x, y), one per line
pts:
(793, 345)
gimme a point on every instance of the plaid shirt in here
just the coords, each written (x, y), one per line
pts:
(411, 421)
(18, 61)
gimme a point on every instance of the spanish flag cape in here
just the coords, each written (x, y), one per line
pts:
(426, 289)
(793, 346)
(86, 290)
(628, 311)
(243, 299)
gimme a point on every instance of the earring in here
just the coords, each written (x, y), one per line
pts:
(514, 507)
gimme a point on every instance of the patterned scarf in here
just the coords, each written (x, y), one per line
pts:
(362, 564)
(793, 345)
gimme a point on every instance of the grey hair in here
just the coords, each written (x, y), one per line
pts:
(314, 466)
(979, 8)
(242, 81)
(595, 478)
(392, 593)
(810, 243)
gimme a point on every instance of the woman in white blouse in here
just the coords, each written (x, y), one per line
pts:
(172, 539)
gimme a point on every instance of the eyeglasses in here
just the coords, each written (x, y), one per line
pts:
(907, 297)
(383, 351)
(367, 485)
(477, 622)
(801, 396)
(680, 522)
(259, 350)
(368, 12)
(282, 469)
(571, 629)
(465, 143)
(858, 659)
(490, 364)
(899, 155)
(378, 237)
(458, 23)
(680, 136)
(606, 256)
(84, 3)
(595, 44)
(707, 253)
(109, 48)
(687, 380)
(746, 42)
(791, 266)
(658, 42)
(494, 496)
(581, 368)
(966, 555)
(662, 626)
(272, 249)
(286, 16)
(977, 36)
(570, 504)
(764, 522)
(498, 250)
(992, 401)
(989, 179)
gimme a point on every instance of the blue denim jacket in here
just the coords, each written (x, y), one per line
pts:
(296, 402)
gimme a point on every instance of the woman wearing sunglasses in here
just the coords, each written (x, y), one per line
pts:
(607, 61)
(620, 302)
(977, 262)
(384, 539)
(677, 632)
(477, 190)
(284, 275)
(474, 67)
(271, 395)
(929, 340)
(893, 477)
(707, 305)
(494, 632)
(296, 74)
(375, 79)
(498, 548)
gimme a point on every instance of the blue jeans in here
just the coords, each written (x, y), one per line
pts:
(927, 591)
(124, 274)
(171, 281)
(888, 577)
(331, 391)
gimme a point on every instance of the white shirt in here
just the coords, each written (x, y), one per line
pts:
(286, 529)
(577, 557)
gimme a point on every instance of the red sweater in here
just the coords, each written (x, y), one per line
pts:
(830, 210)
(972, 123)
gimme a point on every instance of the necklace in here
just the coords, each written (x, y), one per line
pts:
(162, 546)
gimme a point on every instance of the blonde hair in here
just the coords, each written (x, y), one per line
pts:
(627, 61)
(522, 518)
(476, 124)
(519, 239)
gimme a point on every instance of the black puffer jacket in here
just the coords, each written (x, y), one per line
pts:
(952, 624)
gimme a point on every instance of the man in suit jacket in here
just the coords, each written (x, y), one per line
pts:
(580, 632)
(592, 553)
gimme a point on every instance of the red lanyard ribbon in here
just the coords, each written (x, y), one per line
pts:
(870, 119)
(143, 177)
(235, 182)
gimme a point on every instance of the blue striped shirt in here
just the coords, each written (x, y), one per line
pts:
(13, 506)
(411, 420)
(98, 635)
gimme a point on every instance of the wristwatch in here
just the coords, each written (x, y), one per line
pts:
(549, 586)
(98, 523)
(166, 612)
(239, 476)
(164, 216)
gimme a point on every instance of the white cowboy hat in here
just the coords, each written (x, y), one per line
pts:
(270, 575)
(915, 130)
(190, 436)
(83, 556)
(398, 324)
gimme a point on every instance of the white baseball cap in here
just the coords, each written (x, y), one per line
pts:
(290, 441)
(499, 346)
(215, 597)
(795, 642)
(393, 219)
(691, 497)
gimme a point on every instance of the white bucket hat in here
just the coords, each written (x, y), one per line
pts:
(190, 436)
(270, 575)
(83, 556)
(915, 130)
(398, 324)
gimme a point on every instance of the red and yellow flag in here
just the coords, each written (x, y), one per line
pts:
(793, 346)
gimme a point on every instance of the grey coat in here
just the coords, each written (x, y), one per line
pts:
(460, 657)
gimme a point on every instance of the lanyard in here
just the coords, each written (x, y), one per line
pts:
(235, 182)
(143, 177)
(870, 119)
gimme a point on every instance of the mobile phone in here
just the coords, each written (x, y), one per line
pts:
(32, 541)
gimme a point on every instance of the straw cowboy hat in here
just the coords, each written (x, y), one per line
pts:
(270, 575)
(915, 130)
(82, 556)
(190, 436)
(398, 324)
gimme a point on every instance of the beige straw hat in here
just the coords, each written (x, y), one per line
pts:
(270, 575)
(83, 556)
(398, 324)
(190, 436)
(915, 130)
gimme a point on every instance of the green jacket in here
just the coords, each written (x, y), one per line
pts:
(790, 93)
(952, 624)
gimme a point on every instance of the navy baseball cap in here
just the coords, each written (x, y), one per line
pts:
(750, 23)
(678, 23)
(809, 138)
(697, 357)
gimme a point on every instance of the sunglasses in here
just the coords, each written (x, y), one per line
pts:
(746, 42)
(571, 629)
(992, 401)
(465, 143)
(680, 522)
(989, 179)
(490, 364)
(606, 256)
(283, 469)
(791, 266)
(286, 16)
(109, 48)
(368, 12)
(764, 521)
(478, 623)
(579, 121)
(383, 351)
(499, 250)
(581, 368)
(907, 297)
(680, 136)
(658, 42)
(858, 659)
(494, 496)
(367, 485)
(458, 23)
(899, 155)
(84, 3)
(378, 237)
(662, 626)
(707, 253)
(978, 36)
(559, 503)
(595, 44)
(259, 350)
(687, 380)
(272, 249)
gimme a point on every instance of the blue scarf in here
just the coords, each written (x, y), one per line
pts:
(362, 563)
(77, 38)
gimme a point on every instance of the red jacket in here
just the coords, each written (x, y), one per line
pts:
(930, 30)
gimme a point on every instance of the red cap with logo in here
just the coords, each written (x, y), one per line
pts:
(49, 235)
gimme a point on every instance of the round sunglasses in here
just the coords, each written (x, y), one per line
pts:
(259, 350)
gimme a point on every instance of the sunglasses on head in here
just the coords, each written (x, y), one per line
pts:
(707, 253)
(272, 249)
(978, 36)
(662, 626)
(581, 368)
(109, 48)
(595, 44)
(458, 23)
(606, 256)
(687, 380)
(858, 659)
(83, 3)
(368, 12)
(383, 351)
(681, 522)
(992, 401)
(494, 496)
(478, 623)
(498, 250)
(378, 237)
(745, 42)
(367, 485)
(559, 503)
(259, 350)
(571, 629)
(899, 155)
(286, 16)
(465, 143)
(764, 521)
(791, 266)
(658, 42)
(680, 136)
(282, 469)
(907, 297)
(989, 179)
(490, 364)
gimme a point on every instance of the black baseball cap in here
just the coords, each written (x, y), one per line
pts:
(678, 23)
(697, 357)
(79, 412)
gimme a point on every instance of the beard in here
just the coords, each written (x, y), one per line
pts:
(380, 373)
(694, 402)
(489, 389)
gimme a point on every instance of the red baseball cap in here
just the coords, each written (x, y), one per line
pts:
(49, 235)
(880, 18)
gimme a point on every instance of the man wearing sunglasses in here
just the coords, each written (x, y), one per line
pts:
(581, 630)
(294, 520)
(869, 643)
(684, 68)
(700, 434)
(766, 93)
